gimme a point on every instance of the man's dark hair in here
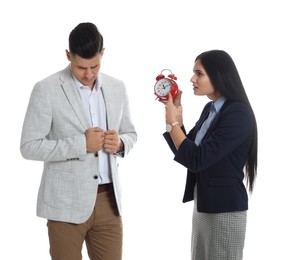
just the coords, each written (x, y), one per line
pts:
(85, 40)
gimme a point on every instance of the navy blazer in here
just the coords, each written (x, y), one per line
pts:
(217, 164)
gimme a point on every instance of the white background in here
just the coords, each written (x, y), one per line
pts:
(141, 38)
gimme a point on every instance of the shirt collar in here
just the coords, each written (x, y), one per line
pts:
(219, 103)
(98, 84)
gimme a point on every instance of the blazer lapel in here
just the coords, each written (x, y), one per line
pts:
(111, 102)
(214, 122)
(73, 97)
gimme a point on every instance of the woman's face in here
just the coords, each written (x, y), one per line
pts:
(202, 84)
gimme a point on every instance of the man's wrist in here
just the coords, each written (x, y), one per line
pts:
(121, 146)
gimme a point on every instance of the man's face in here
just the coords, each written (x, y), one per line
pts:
(85, 70)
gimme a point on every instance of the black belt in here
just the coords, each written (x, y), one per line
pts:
(104, 187)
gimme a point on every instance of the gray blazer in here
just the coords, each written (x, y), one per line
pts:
(54, 132)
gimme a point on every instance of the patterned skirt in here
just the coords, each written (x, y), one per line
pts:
(218, 236)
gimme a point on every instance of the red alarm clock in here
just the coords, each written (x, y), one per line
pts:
(164, 85)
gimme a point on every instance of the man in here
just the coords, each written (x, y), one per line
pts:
(78, 123)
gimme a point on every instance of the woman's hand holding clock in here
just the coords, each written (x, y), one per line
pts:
(174, 109)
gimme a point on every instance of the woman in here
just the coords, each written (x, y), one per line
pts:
(218, 152)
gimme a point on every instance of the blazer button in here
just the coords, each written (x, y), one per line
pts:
(95, 177)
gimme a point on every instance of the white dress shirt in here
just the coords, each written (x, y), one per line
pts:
(95, 109)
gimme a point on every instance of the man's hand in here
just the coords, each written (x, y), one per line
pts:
(112, 142)
(94, 139)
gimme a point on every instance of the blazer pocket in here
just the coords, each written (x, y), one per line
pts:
(60, 166)
(60, 189)
(222, 181)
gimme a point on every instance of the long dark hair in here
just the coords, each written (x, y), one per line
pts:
(225, 78)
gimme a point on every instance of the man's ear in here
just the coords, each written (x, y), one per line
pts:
(102, 51)
(68, 55)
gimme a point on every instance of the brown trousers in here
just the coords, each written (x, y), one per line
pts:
(102, 233)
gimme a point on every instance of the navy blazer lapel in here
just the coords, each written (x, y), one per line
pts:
(73, 96)
(205, 112)
(214, 122)
(203, 117)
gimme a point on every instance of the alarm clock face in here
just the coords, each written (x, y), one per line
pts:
(163, 87)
